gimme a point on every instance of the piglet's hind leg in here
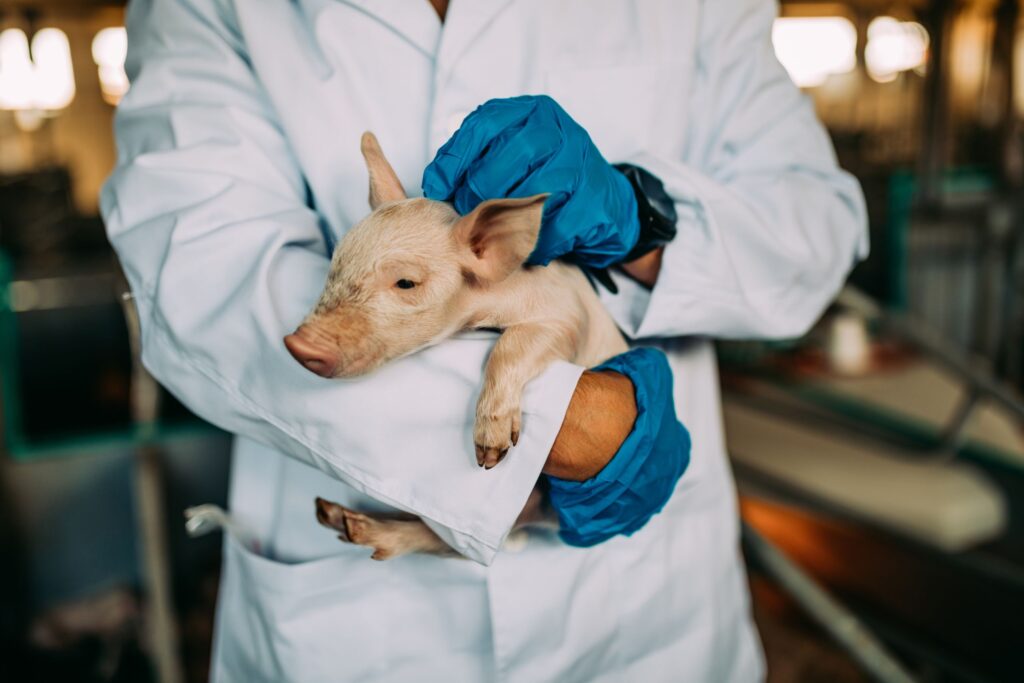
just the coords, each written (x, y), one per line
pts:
(388, 536)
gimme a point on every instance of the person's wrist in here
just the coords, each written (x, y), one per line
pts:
(600, 416)
(645, 269)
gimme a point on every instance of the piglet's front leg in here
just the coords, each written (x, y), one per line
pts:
(522, 353)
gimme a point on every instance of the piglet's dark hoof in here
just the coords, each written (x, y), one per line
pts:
(332, 516)
(489, 457)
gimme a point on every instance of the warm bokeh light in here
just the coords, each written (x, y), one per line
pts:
(894, 47)
(16, 71)
(109, 48)
(43, 81)
(814, 48)
(55, 78)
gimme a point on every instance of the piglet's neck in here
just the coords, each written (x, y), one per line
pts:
(503, 304)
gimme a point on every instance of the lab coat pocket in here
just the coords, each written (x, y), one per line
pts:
(336, 618)
(626, 109)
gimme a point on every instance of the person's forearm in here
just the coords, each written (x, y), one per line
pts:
(600, 417)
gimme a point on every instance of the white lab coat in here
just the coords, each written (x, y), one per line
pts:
(239, 168)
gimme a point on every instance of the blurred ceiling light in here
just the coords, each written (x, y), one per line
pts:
(43, 81)
(29, 120)
(814, 48)
(109, 48)
(55, 77)
(893, 47)
(16, 71)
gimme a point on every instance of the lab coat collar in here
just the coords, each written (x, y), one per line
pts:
(465, 21)
(416, 22)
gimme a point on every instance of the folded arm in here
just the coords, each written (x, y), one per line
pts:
(769, 226)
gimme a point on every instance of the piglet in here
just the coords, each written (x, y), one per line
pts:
(413, 273)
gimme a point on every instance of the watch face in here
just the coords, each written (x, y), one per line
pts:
(658, 198)
(655, 208)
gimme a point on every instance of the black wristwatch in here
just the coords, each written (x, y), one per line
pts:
(657, 214)
(655, 209)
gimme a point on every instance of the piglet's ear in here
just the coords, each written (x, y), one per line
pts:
(499, 235)
(384, 183)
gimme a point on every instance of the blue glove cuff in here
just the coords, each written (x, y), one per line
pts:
(638, 482)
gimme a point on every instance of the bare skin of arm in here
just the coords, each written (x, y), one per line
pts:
(646, 268)
(600, 417)
(441, 7)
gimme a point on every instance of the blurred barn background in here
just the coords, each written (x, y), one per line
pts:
(884, 452)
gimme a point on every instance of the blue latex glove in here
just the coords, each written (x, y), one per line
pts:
(523, 146)
(640, 479)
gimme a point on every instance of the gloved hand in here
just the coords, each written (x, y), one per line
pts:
(522, 146)
(640, 479)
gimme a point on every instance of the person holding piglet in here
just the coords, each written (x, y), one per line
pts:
(239, 171)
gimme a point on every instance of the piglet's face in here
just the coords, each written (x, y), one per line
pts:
(404, 277)
(392, 288)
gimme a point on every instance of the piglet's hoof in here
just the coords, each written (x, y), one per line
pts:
(493, 435)
(332, 516)
(489, 457)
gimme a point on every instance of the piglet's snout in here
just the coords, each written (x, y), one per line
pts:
(314, 354)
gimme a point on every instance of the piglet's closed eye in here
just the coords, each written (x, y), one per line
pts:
(499, 235)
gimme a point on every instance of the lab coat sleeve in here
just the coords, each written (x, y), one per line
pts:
(208, 212)
(769, 226)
